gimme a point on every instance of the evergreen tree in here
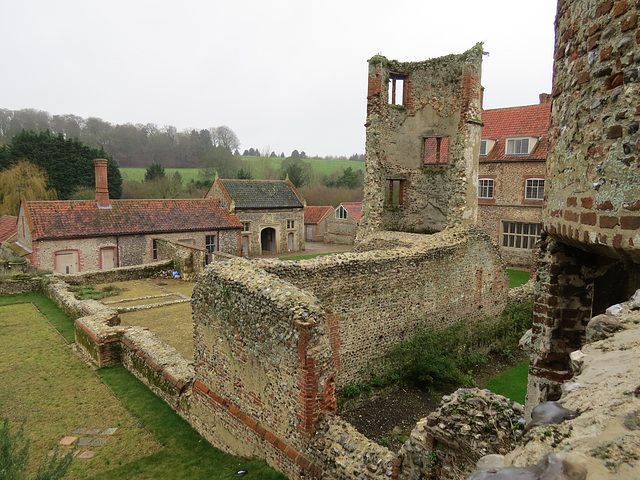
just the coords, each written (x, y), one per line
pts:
(154, 171)
(67, 162)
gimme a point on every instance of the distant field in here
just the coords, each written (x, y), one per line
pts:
(259, 167)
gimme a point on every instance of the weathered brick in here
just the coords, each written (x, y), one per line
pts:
(608, 222)
(586, 202)
(628, 222)
(570, 216)
(588, 218)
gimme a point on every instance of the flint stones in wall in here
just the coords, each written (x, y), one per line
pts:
(601, 327)
(468, 424)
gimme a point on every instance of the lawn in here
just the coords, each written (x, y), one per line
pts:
(512, 383)
(518, 277)
(259, 166)
(44, 381)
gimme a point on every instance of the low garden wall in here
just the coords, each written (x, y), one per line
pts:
(120, 274)
(18, 284)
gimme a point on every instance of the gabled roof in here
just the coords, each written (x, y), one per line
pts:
(261, 194)
(83, 218)
(314, 214)
(527, 121)
(8, 228)
(354, 209)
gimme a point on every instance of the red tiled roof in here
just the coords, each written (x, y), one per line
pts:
(8, 228)
(530, 120)
(314, 214)
(354, 209)
(83, 218)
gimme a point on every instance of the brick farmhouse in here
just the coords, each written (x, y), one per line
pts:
(513, 153)
(78, 235)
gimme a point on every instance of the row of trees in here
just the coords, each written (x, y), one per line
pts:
(136, 145)
(133, 145)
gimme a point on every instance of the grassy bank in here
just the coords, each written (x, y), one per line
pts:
(44, 381)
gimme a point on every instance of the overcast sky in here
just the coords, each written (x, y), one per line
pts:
(283, 74)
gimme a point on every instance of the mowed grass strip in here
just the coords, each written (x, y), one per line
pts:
(44, 381)
(518, 277)
(186, 454)
(512, 383)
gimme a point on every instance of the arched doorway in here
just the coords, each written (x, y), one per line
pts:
(290, 243)
(268, 240)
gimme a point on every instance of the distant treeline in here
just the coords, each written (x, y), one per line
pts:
(135, 145)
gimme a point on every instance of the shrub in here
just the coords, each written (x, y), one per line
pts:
(436, 358)
(14, 457)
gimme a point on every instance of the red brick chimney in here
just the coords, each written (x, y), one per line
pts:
(102, 184)
(545, 98)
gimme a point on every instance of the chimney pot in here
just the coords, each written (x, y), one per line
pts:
(545, 98)
(102, 183)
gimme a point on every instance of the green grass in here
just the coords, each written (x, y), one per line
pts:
(43, 380)
(59, 319)
(186, 455)
(512, 383)
(259, 166)
(518, 277)
(306, 257)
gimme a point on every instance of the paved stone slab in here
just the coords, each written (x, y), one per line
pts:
(79, 431)
(67, 441)
(109, 431)
(84, 441)
(93, 431)
(86, 455)
(98, 442)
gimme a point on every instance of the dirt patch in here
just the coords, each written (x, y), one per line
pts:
(388, 416)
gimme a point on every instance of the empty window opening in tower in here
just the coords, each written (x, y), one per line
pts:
(396, 89)
(396, 192)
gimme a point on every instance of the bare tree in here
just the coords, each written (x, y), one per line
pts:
(224, 137)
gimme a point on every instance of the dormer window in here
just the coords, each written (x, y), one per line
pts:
(520, 145)
(486, 145)
(341, 213)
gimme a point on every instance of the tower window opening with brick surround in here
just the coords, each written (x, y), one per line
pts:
(396, 89)
(436, 150)
(396, 192)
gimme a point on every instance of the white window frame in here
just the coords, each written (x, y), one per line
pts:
(488, 188)
(211, 246)
(483, 146)
(520, 235)
(515, 146)
(246, 226)
(534, 189)
(341, 213)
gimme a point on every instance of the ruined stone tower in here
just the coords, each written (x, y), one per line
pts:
(423, 139)
(591, 256)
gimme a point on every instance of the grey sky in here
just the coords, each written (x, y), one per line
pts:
(283, 74)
